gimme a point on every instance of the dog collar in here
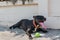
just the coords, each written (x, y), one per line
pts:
(34, 24)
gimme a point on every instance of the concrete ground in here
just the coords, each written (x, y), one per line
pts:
(19, 34)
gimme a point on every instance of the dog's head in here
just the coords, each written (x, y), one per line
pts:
(39, 18)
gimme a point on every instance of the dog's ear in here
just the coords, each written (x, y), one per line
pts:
(34, 16)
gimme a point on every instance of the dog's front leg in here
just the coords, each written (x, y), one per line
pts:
(28, 32)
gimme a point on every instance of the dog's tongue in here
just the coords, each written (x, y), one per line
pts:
(42, 25)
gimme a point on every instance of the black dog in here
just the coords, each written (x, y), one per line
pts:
(28, 26)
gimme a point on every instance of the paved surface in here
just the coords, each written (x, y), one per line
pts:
(18, 34)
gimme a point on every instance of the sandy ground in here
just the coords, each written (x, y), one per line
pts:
(18, 34)
(11, 36)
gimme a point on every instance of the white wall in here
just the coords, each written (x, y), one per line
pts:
(54, 11)
(11, 15)
(43, 7)
(54, 7)
(53, 16)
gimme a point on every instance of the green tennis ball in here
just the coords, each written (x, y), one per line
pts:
(37, 34)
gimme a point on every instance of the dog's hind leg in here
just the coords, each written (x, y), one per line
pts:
(17, 25)
(12, 27)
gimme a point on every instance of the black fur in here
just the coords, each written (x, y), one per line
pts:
(27, 25)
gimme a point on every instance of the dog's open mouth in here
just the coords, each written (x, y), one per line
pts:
(42, 25)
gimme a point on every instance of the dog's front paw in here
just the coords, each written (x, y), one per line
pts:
(45, 31)
(30, 38)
